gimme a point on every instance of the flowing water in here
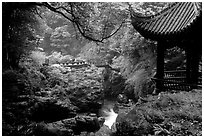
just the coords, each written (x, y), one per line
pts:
(110, 118)
(108, 113)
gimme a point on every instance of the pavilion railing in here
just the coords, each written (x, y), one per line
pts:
(176, 80)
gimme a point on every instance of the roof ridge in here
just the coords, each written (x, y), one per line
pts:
(197, 10)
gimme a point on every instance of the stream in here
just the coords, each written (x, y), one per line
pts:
(107, 111)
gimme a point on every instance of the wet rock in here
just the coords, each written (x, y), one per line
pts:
(103, 131)
(87, 123)
(122, 99)
(101, 121)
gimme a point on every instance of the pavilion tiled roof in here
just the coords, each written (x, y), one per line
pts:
(172, 21)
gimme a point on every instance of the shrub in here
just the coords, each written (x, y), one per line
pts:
(137, 80)
(38, 57)
(137, 67)
(167, 114)
(55, 57)
(32, 78)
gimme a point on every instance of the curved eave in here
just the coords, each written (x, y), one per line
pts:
(174, 22)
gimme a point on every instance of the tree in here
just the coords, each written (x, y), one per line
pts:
(94, 21)
(59, 34)
(18, 31)
(91, 20)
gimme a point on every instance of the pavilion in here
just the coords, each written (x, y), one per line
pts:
(178, 25)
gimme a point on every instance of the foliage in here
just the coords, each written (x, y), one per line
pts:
(92, 20)
(95, 21)
(19, 20)
(149, 8)
(38, 57)
(172, 114)
(91, 52)
(54, 57)
(137, 63)
(27, 80)
(58, 34)
(32, 78)
(175, 59)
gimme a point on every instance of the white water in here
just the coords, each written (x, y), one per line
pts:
(110, 118)
(108, 113)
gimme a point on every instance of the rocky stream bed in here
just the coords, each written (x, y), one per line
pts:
(78, 106)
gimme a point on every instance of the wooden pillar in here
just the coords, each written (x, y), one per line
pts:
(195, 62)
(193, 53)
(160, 66)
(188, 64)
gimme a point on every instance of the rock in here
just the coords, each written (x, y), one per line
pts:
(122, 99)
(101, 121)
(92, 115)
(103, 131)
(52, 129)
(87, 123)
(84, 89)
(43, 93)
(49, 109)
(113, 83)
(133, 124)
(68, 127)
(87, 99)
(23, 104)
(6, 129)
(84, 133)
(88, 71)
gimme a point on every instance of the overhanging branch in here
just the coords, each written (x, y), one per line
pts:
(114, 31)
(75, 20)
(47, 5)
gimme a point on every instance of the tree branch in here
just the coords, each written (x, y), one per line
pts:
(114, 32)
(76, 21)
(55, 10)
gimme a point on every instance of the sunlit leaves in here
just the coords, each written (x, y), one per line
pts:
(149, 8)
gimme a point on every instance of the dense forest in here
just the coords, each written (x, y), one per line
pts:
(67, 67)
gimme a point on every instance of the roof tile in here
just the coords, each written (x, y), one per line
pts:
(170, 21)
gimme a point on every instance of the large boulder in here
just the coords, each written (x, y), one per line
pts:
(85, 88)
(79, 90)
(59, 128)
(134, 123)
(87, 99)
(50, 109)
(68, 127)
